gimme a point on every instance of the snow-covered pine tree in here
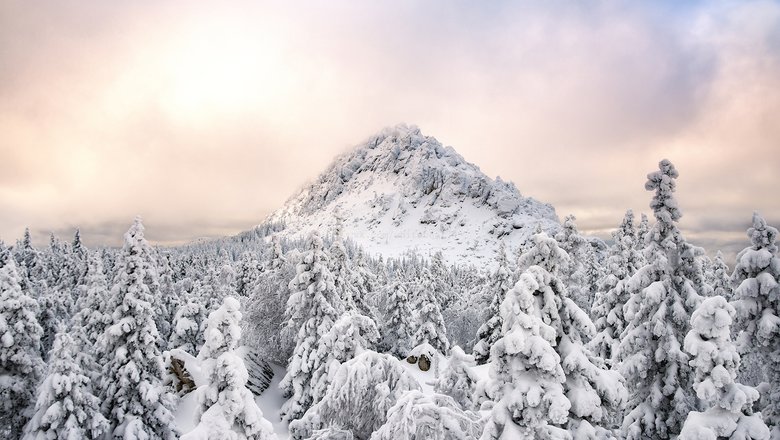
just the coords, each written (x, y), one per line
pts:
(20, 350)
(29, 263)
(573, 272)
(339, 266)
(364, 285)
(314, 306)
(167, 301)
(428, 320)
(276, 258)
(55, 262)
(441, 280)
(490, 331)
(719, 277)
(624, 260)
(66, 408)
(54, 313)
(221, 282)
(77, 265)
(265, 311)
(397, 328)
(592, 273)
(543, 251)
(417, 415)
(457, 379)
(134, 398)
(642, 230)
(91, 318)
(188, 332)
(729, 413)
(593, 393)
(247, 274)
(362, 392)
(526, 377)
(351, 335)
(222, 330)
(227, 407)
(757, 301)
(662, 298)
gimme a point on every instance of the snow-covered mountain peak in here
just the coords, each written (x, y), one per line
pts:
(401, 190)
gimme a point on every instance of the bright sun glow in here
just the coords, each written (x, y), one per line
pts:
(218, 71)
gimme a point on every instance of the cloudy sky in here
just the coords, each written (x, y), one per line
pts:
(204, 118)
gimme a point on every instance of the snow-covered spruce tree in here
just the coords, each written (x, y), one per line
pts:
(458, 380)
(222, 330)
(729, 413)
(719, 277)
(642, 231)
(265, 327)
(435, 417)
(315, 304)
(20, 350)
(54, 313)
(397, 328)
(592, 273)
(91, 305)
(247, 274)
(662, 298)
(188, 334)
(75, 269)
(134, 398)
(276, 256)
(623, 262)
(55, 262)
(364, 285)
(490, 331)
(167, 302)
(29, 264)
(351, 335)
(593, 393)
(91, 318)
(339, 266)
(543, 252)
(526, 377)
(221, 281)
(468, 311)
(429, 321)
(573, 272)
(66, 407)
(441, 281)
(227, 407)
(757, 302)
(361, 393)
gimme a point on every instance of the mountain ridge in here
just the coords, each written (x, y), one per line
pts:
(401, 191)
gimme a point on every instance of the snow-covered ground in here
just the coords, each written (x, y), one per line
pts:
(270, 402)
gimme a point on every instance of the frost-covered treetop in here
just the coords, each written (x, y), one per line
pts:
(134, 237)
(761, 235)
(712, 319)
(545, 253)
(663, 182)
(760, 256)
(222, 329)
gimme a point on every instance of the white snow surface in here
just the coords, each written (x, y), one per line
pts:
(270, 402)
(401, 191)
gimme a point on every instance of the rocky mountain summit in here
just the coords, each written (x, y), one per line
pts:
(401, 190)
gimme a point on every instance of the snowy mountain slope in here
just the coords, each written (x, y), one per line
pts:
(401, 190)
